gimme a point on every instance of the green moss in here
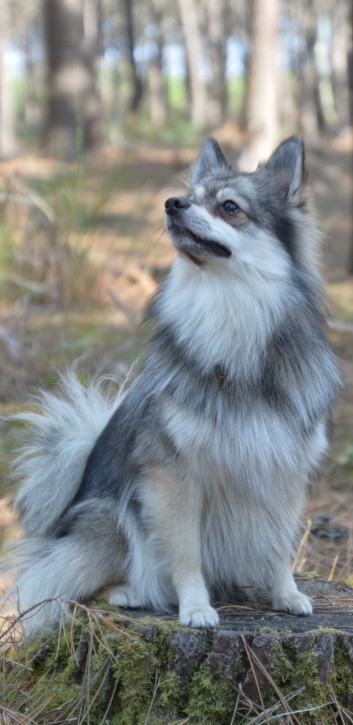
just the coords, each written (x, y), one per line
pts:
(135, 671)
(282, 669)
(299, 673)
(342, 678)
(211, 700)
(315, 694)
(147, 682)
(172, 692)
(42, 669)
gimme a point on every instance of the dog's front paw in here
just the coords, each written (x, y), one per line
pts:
(198, 616)
(294, 602)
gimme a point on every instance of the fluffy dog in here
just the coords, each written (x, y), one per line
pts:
(195, 478)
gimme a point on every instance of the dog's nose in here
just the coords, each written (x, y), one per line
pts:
(175, 204)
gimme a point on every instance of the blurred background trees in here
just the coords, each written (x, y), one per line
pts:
(76, 73)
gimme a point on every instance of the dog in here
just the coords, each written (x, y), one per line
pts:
(193, 479)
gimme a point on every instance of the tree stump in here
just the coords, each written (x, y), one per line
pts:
(108, 667)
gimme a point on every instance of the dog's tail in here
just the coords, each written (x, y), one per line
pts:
(63, 428)
(51, 573)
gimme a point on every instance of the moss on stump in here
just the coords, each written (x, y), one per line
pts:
(104, 667)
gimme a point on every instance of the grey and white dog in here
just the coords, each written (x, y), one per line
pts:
(195, 478)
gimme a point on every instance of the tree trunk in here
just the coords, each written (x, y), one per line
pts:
(136, 82)
(340, 45)
(157, 99)
(74, 108)
(92, 51)
(350, 102)
(189, 14)
(217, 46)
(311, 114)
(31, 106)
(262, 101)
(350, 72)
(7, 139)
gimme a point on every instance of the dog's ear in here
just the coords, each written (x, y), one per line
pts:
(287, 167)
(209, 161)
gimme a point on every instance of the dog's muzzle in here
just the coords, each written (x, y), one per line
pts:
(196, 247)
(175, 204)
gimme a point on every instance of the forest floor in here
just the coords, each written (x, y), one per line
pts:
(84, 247)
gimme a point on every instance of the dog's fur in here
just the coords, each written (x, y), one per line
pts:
(194, 479)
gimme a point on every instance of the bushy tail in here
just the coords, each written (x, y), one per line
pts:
(63, 429)
(52, 572)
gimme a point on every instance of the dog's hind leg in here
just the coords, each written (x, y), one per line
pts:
(174, 510)
(121, 595)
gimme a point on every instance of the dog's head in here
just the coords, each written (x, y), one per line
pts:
(252, 221)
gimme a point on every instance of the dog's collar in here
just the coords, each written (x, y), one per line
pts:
(221, 376)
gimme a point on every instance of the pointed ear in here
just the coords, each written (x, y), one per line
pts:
(287, 166)
(209, 160)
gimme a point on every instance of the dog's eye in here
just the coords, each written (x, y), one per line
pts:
(230, 207)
